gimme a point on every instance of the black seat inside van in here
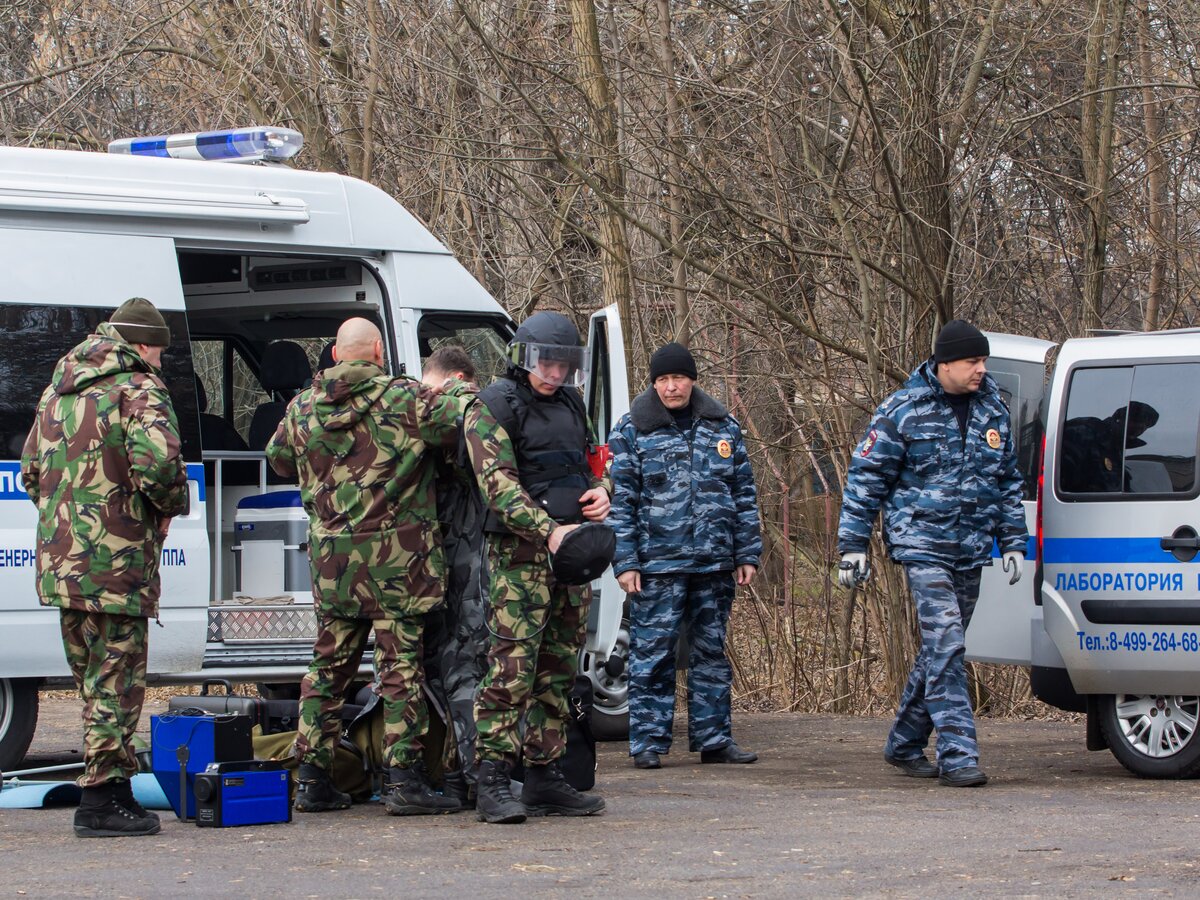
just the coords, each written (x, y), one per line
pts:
(216, 432)
(284, 371)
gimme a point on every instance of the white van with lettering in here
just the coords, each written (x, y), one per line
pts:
(254, 266)
(1108, 614)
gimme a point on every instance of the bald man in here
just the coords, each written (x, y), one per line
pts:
(356, 440)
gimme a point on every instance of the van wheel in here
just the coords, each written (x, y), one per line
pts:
(1153, 735)
(18, 719)
(610, 689)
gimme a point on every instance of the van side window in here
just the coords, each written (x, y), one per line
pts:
(34, 338)
(1130, 430)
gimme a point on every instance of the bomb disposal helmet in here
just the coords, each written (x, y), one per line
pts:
(547, 345)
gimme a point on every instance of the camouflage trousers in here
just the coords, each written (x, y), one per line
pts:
(337, 656)
(936, 694)
(536, 628)
(107, 654)
(700, 604)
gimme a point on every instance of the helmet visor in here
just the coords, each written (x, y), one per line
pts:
(555, 364)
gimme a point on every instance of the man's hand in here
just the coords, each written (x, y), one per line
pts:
(744, 574)
(595, 504)
(1014, 565)
(853, 569)
(631, 581)
(557, 535)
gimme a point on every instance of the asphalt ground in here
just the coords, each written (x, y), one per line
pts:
(819, 814)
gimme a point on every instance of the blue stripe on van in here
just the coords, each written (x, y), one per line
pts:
(11, 489)
(1030, 549)
(1106, 550)
(196, 473)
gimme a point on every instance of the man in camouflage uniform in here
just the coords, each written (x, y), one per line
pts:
(528, 437)
(939, 458)
(686, 516)
(102, 462)
(356, 440)
(455, 634)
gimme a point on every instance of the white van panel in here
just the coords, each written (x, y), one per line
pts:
(439, 283)
(1120, 608)
(1000, 630)
(102, 270)
(58, 268)
(343, 213)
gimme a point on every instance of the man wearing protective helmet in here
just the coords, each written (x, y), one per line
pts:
(528, 435)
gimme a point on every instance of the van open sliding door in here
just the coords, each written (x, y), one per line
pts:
(57, 287)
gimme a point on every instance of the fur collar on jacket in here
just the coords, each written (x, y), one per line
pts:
(649, 414)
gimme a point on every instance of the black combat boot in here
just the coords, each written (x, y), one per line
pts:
(315, 791)
(455, 784)
(100, 815)
(407, 792)
(546, 793)
(123, 794)
(494, 801)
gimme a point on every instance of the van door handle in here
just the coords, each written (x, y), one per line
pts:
(1183, 543)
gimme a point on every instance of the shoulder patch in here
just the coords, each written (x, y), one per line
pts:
(869, 442)
(993, 438)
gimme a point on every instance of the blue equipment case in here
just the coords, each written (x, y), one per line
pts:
(182, 746)
(245, 792)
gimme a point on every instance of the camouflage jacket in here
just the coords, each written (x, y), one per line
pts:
(494, 460)
(944, 497)
(102, 462)
(357, 441)
(683, 501)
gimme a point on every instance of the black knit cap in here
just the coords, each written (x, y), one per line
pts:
(959, 340)
(672, 359)
(140, 323)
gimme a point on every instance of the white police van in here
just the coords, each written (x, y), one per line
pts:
(1107, 616)
(254, 267)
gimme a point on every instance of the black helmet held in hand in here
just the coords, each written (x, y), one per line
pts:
(584, 554)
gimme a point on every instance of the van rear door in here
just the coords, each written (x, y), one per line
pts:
(607, 395)
(58, 286)
(1000, 628)
(1120, 580)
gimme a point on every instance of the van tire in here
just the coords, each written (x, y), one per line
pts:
(610, 692)
(1124, 719)
(18, 719)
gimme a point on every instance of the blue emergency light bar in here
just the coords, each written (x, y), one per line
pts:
(235, 145)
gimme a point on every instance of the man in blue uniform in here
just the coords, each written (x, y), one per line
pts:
(939, 458)
(685, 514)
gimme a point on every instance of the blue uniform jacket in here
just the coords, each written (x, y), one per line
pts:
(682, 501)
(944, 497)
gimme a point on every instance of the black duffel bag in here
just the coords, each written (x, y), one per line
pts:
(579, 764)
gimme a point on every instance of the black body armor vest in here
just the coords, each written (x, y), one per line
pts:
(550, 436)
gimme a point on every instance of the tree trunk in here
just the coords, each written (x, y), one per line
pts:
(616, 277)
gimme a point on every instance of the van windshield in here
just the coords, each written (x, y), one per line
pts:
(484, 338)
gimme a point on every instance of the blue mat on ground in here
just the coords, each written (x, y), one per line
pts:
(17, 794)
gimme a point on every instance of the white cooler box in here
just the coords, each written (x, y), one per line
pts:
(271, 548)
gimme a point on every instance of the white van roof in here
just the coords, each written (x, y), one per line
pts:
(1019, 347)
(196, 202)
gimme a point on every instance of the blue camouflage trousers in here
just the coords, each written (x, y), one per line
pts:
(936, 693)
(701, 605)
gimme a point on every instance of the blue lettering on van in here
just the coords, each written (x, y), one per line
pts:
(1118, 581)
(1185, 641)
(16, 558)
(10, 482)
(173, 556)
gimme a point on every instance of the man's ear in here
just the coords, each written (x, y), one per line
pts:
(334, 354)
